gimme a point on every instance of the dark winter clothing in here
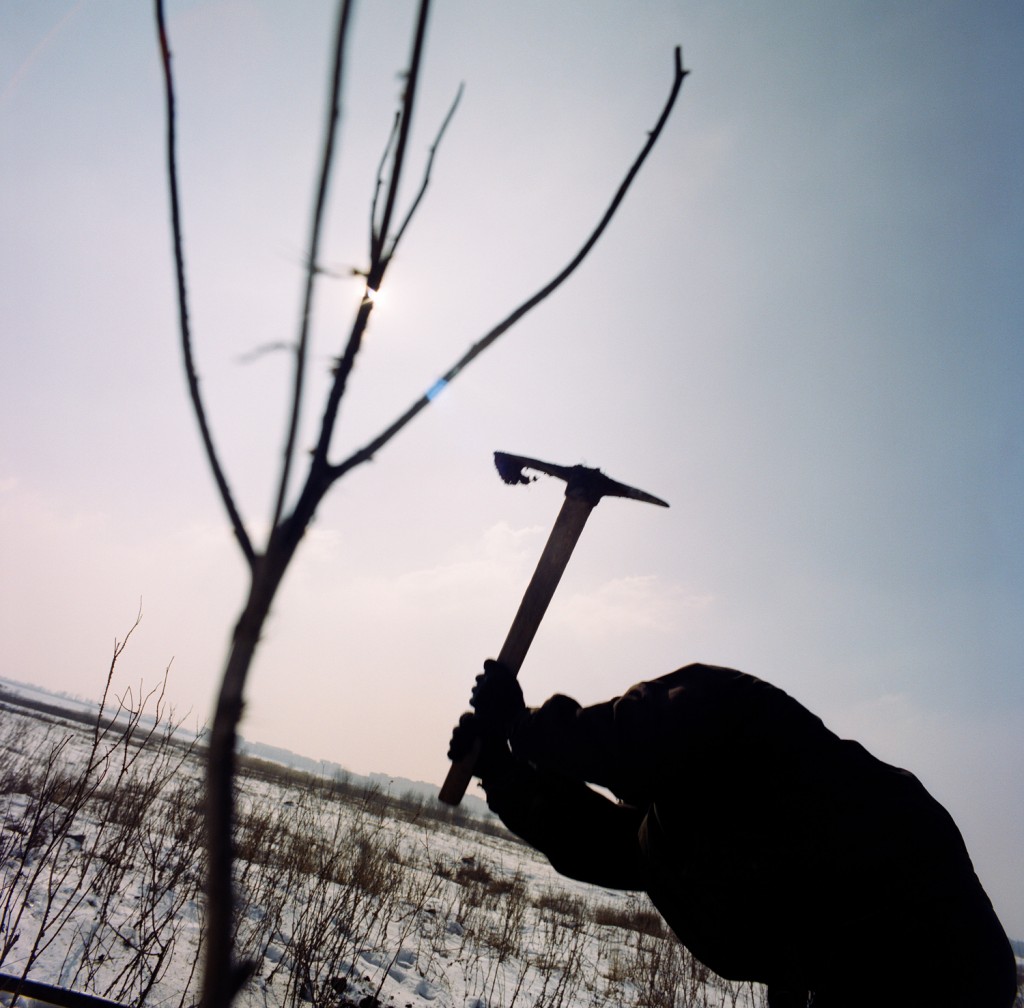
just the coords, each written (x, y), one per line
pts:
(776, 851)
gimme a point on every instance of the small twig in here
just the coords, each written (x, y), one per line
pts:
(426, 173)
(186, 335)
(367, 452)
(119, 647)
(265, 348)
(302, 348)
(376, 239)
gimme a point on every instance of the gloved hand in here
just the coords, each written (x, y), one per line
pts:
(497, 699)
(495, 758)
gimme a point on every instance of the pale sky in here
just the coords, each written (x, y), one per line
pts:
(804, 330)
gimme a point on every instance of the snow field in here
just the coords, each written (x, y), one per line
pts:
(346, 898)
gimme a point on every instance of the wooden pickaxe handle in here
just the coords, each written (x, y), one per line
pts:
(566, 531)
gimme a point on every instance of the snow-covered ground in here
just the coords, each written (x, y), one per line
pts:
(344, 898)
(348, 896)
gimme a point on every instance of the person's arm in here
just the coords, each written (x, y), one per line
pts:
(583, 834)
(621, 744)
(617, 744)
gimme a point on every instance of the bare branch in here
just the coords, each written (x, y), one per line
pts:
(426, 174)
(378, 255)
(302, 348)
(263, 349)
(186, 336)
(376, 239)
(366, 453)
(319, 478)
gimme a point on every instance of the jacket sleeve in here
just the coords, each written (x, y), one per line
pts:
(663, 731)
(612, 744)
(583, 834)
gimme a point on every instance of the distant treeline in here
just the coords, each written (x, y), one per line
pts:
(55, 710)
(410, 805)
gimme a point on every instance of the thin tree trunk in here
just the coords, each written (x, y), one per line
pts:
(222, 976)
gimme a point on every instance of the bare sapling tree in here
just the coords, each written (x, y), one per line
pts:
(268, 562)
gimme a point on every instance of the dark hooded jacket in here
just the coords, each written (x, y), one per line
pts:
(775, 850)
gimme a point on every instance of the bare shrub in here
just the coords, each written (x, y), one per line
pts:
(87, 829)
(634, 915)
(563, 961)
(659, 972)
(568, 905)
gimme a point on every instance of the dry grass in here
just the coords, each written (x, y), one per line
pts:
(335, 883)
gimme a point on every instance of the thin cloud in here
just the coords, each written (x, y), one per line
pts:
(627, 605)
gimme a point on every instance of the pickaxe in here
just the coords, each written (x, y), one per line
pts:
(584, 488)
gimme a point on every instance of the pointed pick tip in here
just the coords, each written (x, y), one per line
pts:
(647, 498)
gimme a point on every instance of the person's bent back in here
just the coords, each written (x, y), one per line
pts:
(776, 851)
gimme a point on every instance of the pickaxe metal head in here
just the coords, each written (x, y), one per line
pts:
(589, 485)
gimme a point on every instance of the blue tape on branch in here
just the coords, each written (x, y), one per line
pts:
(436, 389)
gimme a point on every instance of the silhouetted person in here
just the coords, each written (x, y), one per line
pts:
(775, 850)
